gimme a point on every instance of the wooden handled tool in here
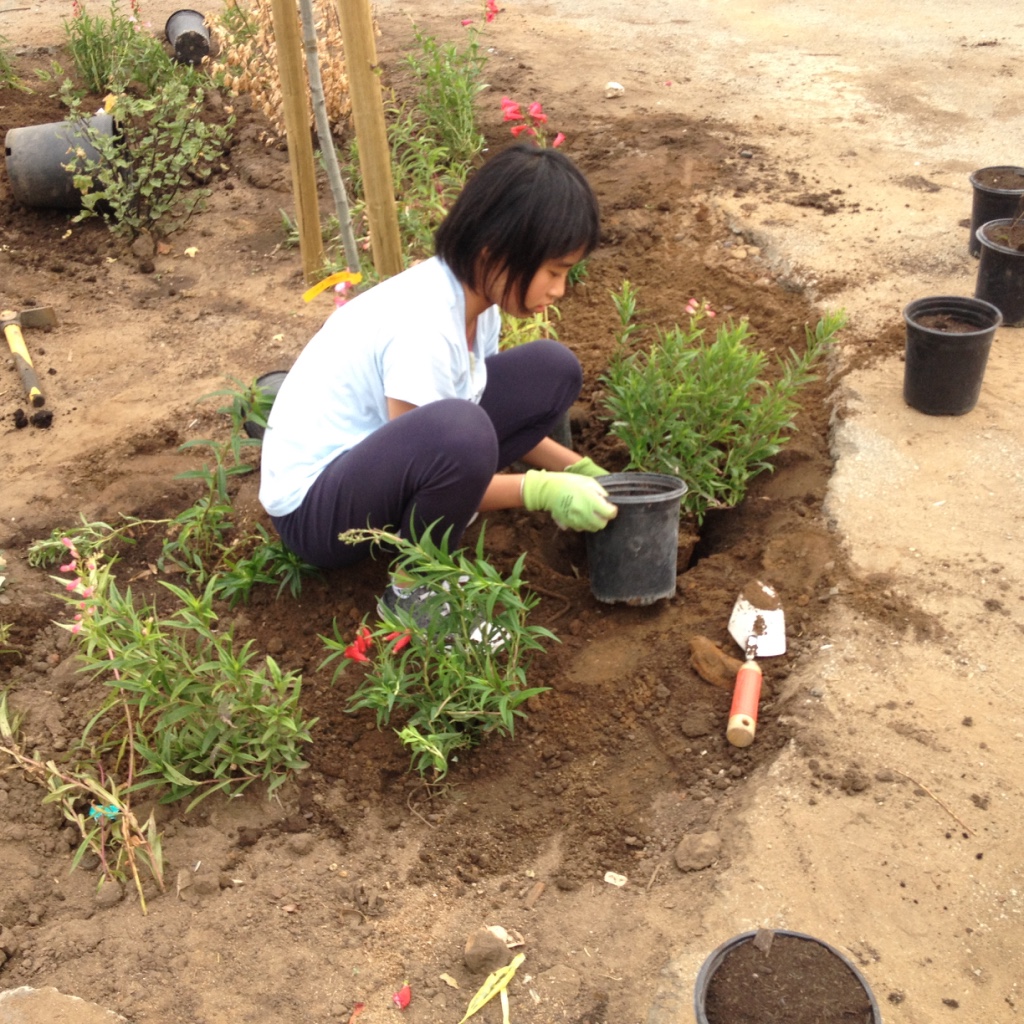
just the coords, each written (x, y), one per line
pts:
(12, 322)
(758, 625)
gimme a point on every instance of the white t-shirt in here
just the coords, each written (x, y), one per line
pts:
(405, 339)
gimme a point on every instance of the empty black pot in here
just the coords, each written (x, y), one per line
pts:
(187, 32)
(633, 559)
(1001, 272)
(948, 341)
(36, 156)
(997, 193)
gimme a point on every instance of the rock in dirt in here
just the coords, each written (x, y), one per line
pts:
(109, 894)
(698, 851)
(695, 724)
(485, 952)
(712, 664)
(46, 1006)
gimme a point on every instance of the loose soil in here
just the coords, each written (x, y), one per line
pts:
(359, 879)
(622, 758)
(792, 981)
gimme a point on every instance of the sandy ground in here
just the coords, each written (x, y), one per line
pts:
(896, 107)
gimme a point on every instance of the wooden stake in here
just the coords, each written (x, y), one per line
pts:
(300, 144)
(371, 133)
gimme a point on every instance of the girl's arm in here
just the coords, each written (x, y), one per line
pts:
(505, 490)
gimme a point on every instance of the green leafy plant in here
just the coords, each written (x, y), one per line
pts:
(449, 82)
(519, 331)
(143, 178)
(8, 77)
(704, 411)
(110, 53)
(195, 709)
(433, 141)
(449, 687)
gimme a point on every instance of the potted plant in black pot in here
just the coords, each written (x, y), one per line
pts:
(1001, 267)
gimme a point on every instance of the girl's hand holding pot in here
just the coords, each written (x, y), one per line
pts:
(576, 502)
(586, 467)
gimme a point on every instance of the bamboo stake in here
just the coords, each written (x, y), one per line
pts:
(374, 154)
(300, 145)
(323, 131)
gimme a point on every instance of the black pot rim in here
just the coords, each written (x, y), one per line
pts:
(984, 240)
(182, 10)
(953, 305)
(715, 958)
(997, 191)
(635, 488)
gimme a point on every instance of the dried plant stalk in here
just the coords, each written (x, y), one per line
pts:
(247, 60)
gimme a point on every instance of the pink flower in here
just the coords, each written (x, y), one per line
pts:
(518, 129)
(402, 997)
(88, 591)
(68, 543)
(466, 21)
(492, 10)
(510, 110)
(76, 628)
(69, 567)
(73, 585)
(537, 113)
(558, 140)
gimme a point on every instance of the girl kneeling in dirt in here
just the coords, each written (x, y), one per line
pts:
(401, 411)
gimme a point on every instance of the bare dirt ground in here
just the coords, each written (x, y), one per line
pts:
(775, 161)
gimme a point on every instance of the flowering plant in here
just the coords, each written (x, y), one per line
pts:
(530, 124)
(457, 669)
(491, 11)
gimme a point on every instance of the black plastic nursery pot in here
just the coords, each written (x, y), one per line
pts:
(36, 155)
(633, 559)
(948, 341)
(187, 32)
(997, 193)
(1001, 271)
(784, 975)
(269, 384)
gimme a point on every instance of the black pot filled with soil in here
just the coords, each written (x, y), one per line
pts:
(948, 341)
(781, 977)
(997, 193)
(1001, 268)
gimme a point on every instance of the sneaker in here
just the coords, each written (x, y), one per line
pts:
(421, 604)
(416, 601)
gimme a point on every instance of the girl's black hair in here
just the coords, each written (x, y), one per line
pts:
(525, 205)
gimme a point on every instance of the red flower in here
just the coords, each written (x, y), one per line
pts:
(558, 140)
(537, 114)
(358, 648)
(466, 21)
(510, 109)
(402, 997)
(518, 129)
(492, 10)
(401, 640)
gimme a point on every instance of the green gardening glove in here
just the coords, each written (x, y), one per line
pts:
(575, 502)
(585, 467)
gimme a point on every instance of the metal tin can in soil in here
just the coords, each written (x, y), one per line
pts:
(781, 977)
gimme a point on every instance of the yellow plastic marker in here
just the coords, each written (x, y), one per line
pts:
(497, 981)
(342, 276)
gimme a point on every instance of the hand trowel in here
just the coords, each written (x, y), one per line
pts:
(758, 625)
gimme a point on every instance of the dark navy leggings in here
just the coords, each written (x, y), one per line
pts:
(435, 462)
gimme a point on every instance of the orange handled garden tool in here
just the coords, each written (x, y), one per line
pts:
(758, 625)
(12, 323)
